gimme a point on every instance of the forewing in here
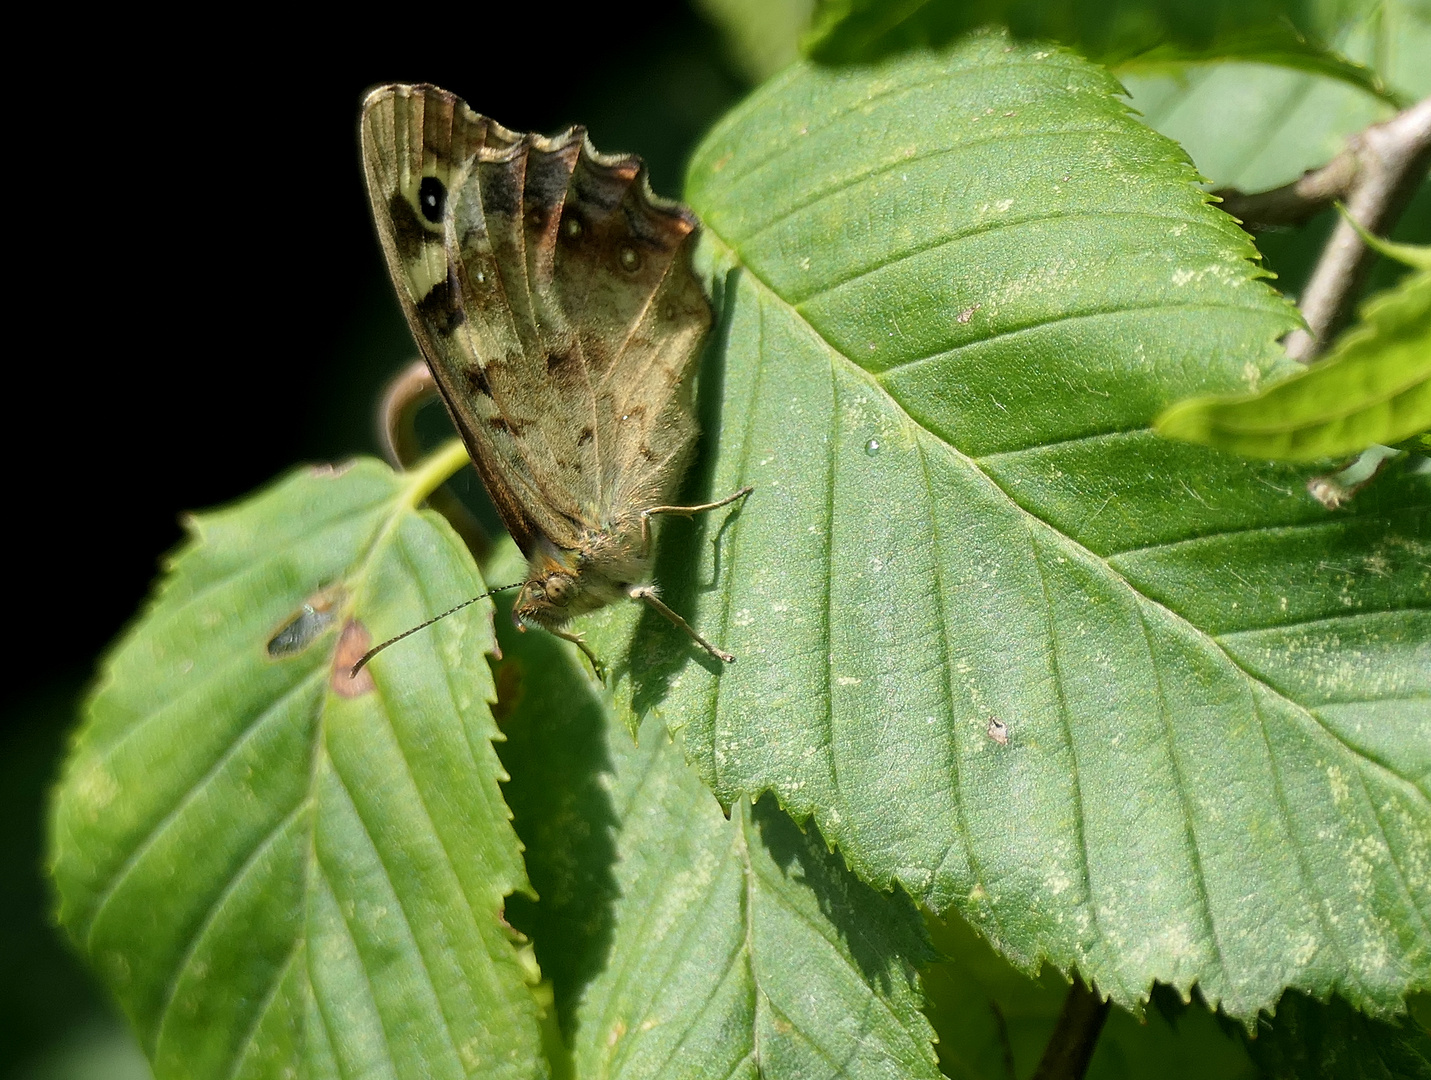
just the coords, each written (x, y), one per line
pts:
(412, 134)
(554, 299)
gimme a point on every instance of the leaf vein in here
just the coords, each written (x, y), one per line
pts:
(944, 77)
(1189, 829)
(172, 815)
(397, 897)
(229, 887)
(1056, 671)
(937, 546)
(1037, 324)
(988, 229)
(269, 997)
(367, 981)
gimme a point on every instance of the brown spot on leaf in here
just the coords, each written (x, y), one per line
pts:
(351, 646)
(998, 731)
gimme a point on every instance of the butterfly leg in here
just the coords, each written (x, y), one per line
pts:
(596, 665)
(685, 511)
(647, 595)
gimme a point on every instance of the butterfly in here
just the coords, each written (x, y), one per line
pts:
(553, 297)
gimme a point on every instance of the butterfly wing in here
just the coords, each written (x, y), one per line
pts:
(553, 298)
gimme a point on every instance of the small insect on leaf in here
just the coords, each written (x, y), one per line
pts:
(307, 625)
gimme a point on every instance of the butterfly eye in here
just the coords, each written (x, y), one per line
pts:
(630, 258)
(431, 198)
(560, 589)
(571, 228)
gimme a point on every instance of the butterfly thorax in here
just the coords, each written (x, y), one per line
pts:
(564, 583)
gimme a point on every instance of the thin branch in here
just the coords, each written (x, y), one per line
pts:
(408, 390)
(1393, 157)
(1295, 203)
(1070, 1048)
(1376, 175)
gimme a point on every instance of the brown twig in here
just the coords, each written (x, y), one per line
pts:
(1295, 203)
(1392, 162)
(1375, 176)
(1070, 1048)
(408, 390)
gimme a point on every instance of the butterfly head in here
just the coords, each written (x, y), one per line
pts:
(554, 590)
(546, 601)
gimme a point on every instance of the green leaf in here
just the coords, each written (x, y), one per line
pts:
(762, 35)
(1254, 126)
(1309, 1039)
(955, 291)
(1126, 31)
(280, 870)
(989, 1015)
(1374, 386)
(1417, 256)
(680, 943)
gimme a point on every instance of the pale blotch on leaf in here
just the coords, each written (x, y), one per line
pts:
(352, 646)
(331, 471)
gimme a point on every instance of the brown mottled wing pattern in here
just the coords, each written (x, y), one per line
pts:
(553, 297)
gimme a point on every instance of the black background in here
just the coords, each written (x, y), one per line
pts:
(199, 304)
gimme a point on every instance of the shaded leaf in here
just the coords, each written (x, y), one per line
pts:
(1373, 386)
(683, 944)
(956, 290)
(275, 867)
(1417, 256)
(1310, 1040)
(762, 35)
(990, 1016)
(1255, 126)
(1127, 31)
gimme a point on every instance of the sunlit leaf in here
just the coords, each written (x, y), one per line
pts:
(956, 290)
(278, 869)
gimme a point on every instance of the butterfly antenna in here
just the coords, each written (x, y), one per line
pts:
(353, 674)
